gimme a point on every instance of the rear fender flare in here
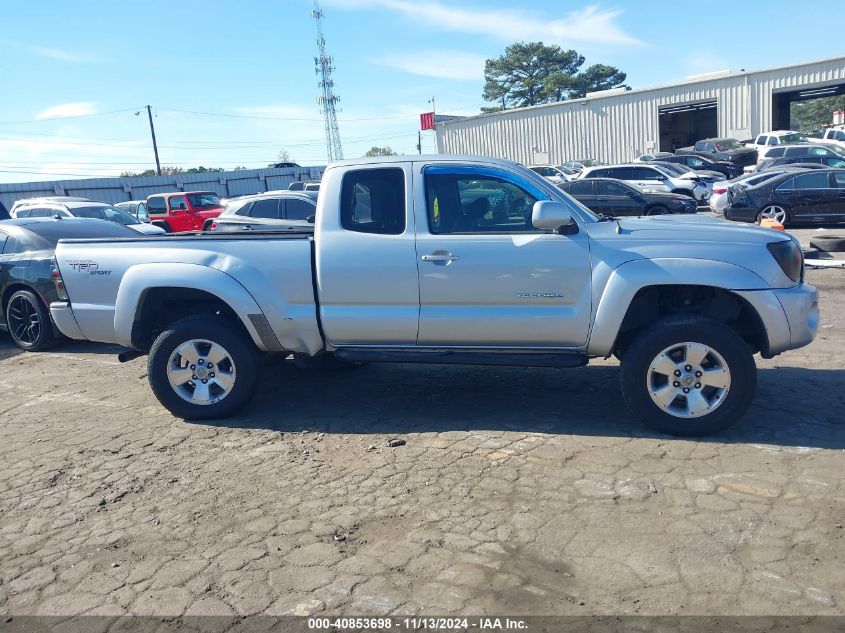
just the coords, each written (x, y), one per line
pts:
(629, 278)
(140, 279)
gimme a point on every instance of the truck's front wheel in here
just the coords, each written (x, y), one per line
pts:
(201, 368)
(688, 375)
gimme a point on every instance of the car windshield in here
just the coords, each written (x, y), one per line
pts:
(675, 168)
(112, 214)
(728, 143)
(204, 199)
(796, 137)
(565, 170)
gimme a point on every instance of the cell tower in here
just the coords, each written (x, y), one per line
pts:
(327, 99)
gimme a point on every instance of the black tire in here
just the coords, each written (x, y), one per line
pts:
(163, 225)
(829, 243)
(29, 322)
(240, 350)
(325, 362)
(810, 253)
(657, 209)
(206, 225)
(663, 334)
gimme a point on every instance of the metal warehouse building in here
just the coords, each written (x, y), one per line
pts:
(619, 125)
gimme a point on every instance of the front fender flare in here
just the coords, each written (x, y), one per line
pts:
(629, 278)
(140, 279)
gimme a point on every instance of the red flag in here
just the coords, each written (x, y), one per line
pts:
(427, 121)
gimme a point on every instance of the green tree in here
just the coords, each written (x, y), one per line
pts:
(807, 116)
(531, 73)
(379, 151)
(284, 157)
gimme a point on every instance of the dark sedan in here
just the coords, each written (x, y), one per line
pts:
(835, 162)
(616, 197)
(699, 163)
(27, 247)
(793, 197)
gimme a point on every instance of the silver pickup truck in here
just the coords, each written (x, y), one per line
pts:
(451, 259)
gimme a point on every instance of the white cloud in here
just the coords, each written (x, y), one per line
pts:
(64, 56)
(699, 62)
(62, 110)
(589, 25)
(437, 63)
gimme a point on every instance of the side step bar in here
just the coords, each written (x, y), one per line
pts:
(463, 357)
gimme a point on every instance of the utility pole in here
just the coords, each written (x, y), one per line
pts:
(153, 132)
(419, 142)
(434, 130)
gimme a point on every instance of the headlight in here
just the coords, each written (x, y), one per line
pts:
(789, 257)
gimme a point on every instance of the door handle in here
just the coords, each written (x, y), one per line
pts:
(440, 258)
(246, 227)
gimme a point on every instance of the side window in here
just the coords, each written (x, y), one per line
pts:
(606, 188)
(13, 246)
(696, 163)
(41, 212)
(141, 211)
(178, 202)
(814, 180)
(644, 173)
(839, 179)
(90, 212)
(787, 185)
(777, 152)
(581, 187)
(2, 241)
(296, 209)
(23, 213)
(477, 203)
(267, 208)
(837, 163)
(373, 201)
(773, 140)
(839, 135)
(819, 151)
(156, 206)
(242, 208)
(761, 140)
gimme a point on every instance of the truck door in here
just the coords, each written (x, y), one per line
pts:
(366, 258)
(487, 277)
(182, 218)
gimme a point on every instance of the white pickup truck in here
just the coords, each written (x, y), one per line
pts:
(450, 259)
(834, 136)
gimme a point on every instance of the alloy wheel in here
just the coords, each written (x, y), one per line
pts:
(201, 372)
(24, 321)
(688, 380)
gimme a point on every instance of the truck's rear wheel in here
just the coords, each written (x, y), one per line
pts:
(688, 375)
(201, 368)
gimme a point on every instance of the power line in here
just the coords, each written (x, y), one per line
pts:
(70, 116)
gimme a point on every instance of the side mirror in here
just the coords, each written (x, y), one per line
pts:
(550, 215)
(182, 206)
(311, 219)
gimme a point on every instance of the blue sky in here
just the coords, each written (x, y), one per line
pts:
(74, 74)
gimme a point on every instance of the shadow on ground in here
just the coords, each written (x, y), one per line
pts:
(395, 399)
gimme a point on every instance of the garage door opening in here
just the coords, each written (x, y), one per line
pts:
(807, 110)
(683, 125)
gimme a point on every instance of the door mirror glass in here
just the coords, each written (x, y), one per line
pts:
(311, 219)
(550, 215)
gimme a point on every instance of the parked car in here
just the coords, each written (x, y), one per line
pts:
(706, 176)
(138, 208)
(483, 262)
(4, 212)
(834, 136)
(728, 149)
(555, 175)
(645, 158)
(183, 210)
(286, 165)
(23, 201)
(271, 211)
(835, 162)
(617, 198)
(27, 289)
(805, 150)
(649, 177)
(703, 163)
(719, 200)
(82, 208)
(801, 197)
(574, 165)
(779, 137)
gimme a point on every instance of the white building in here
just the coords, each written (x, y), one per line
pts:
(618, 125)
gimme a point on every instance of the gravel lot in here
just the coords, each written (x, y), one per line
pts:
(522, 491)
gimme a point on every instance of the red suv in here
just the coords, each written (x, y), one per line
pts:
(183, 210)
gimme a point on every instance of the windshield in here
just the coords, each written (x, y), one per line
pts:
(796, 137)
(204, 199)
(675, 168)
(112, 214)
(728, 143)
(565, 170)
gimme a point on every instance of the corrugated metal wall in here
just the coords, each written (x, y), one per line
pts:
(618, 128)
(226, 183)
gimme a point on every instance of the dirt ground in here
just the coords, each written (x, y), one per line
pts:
(520, 491)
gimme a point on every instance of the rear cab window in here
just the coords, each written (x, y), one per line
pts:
(373, 201)
(156, 206)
